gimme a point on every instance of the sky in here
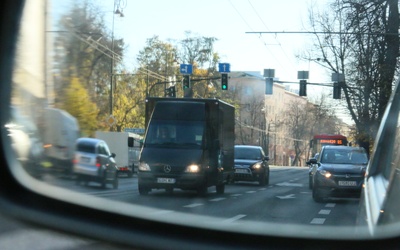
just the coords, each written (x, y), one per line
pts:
(229, 21)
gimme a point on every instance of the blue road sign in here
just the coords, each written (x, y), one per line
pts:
(224, 67)
(186, 69)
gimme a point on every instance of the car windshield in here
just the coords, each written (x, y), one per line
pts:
(248, 153)
(344, 157)
(284, 79)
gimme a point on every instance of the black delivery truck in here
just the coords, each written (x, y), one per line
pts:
(189, 144)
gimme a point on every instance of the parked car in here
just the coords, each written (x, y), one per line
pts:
(94, 162)
(338, 172)
(251, 164)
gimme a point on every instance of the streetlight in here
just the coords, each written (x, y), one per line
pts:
(116, 11)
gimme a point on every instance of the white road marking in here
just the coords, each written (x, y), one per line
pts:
(325, 211)
(250, 192)
(236, 194)
(218, 199)
(289, 196)
(288, 184)
(194, 205)
(330, 205)
(318, 221)
(235, 218)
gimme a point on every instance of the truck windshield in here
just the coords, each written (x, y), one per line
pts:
(175, 134)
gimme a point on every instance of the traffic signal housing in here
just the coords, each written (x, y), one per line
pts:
(171, 91)
(337, 90)
(224, 81)
(186, 82)
(303, 88)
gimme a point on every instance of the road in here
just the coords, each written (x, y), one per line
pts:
(287, 199)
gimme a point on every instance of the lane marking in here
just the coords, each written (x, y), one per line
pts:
(289, 196)
(194, 205)
(235, 218)
(325, 211)
(236, 194)
(317, 221)
(330, 205)
(250, 192)
(288, 184)
(218, 199)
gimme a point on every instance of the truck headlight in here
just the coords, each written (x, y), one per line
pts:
(192, 168)
(143, 166)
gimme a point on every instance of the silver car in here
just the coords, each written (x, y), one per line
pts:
(94, 162)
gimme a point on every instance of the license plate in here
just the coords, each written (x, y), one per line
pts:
(85, 159)
(166, 180)
(241, 171)
(348, 183)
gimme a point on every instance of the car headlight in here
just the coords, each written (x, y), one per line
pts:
(325, 173)
(193, 168)
(257, 166)
(143, 166)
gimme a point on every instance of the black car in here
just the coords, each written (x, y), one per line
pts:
(338, 172)
(251, 164)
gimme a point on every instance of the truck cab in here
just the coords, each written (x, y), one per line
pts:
(188, 145)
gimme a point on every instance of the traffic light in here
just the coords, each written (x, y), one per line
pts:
(224, 81)
(186, 82)
(171, 92)
(336, 90)
(303, 88)
(269, 85)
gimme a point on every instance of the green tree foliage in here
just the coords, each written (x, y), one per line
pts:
(86, 49)
(76, 101)
(129, 96)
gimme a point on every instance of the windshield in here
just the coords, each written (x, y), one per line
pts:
(268, 74)
(344, 156)
(175, 134)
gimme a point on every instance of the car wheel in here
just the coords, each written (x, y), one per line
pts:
(116, 181)
(263, 180)
(316, 195)
(310, 184)
(103, 182)
(267, 179)
(143, 190)
(220, 188)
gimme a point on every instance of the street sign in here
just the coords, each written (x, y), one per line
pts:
(224, 67)
(186, 69)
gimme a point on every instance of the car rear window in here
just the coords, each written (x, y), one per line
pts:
(86, 147)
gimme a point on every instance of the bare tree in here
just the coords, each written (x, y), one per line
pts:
(360, 40)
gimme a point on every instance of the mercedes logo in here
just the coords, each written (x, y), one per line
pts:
(167, 168)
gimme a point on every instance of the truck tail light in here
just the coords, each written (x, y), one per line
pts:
(98, 163)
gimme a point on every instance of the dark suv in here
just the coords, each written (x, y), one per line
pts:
(251, 164)
(94, 162)
(338, 172)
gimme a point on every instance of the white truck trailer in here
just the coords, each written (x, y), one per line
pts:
(60, 132)
(126, 146)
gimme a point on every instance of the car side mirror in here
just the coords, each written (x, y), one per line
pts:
(266, 158)
(113, 155)
(312, 161)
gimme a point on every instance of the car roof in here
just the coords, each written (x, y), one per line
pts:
(343, 147)
(247, 146)
(89, 140)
